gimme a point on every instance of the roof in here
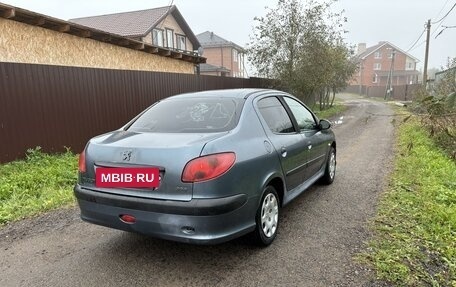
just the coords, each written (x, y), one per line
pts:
(46, 22)
(213, 68)
(210, 40)
(137, 23)
(226, 93)
(449, 70)
(373, 49)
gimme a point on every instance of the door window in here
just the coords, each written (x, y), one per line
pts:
(302, 115)
(275, 115)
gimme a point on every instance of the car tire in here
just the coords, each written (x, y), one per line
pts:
(330, 169)
(267, 217)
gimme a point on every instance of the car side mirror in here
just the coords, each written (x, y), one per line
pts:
(324, 124)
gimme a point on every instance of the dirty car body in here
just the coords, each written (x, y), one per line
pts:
(228, 160)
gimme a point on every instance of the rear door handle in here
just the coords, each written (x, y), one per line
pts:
(283, 151)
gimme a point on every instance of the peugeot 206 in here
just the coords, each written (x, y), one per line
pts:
(206, 167)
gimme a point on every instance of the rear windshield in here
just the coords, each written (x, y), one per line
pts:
(190, 115)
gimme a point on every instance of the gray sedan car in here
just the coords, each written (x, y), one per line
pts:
(206, 167)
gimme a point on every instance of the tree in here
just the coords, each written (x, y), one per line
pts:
(302, 46)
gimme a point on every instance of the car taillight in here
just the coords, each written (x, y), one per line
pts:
(82, 162)
(208, 167)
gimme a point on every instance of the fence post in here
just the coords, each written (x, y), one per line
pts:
(406, 90)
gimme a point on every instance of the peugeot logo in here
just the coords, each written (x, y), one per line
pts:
(126, 155)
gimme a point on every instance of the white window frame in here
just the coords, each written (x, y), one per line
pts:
(375, 78)
(377, 66)
(377, 55)
(235, 55)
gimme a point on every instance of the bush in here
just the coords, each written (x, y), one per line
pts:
(437, 108)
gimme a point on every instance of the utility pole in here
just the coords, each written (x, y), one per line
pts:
(389, 85)
(361, 78)
(426, 56)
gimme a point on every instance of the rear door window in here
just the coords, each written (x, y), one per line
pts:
(303, 116)
(275, 115)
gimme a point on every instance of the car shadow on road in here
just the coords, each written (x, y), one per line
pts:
(124, 255)
(128, 244)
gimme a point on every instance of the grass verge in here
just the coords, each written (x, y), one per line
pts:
(414, 240)
(39, 183)
(336, 109)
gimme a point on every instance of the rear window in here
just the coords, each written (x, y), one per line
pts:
(190, 115)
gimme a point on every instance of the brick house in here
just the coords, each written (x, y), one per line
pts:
(223, 57)
(383, 61)
(162, 27)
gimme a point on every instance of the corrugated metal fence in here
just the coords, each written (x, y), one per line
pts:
(56, 106)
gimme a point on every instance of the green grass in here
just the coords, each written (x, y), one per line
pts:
(336, 109)
(39, 183)
(414, 240)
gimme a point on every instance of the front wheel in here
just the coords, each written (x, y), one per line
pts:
(330, 170)
(267, 217)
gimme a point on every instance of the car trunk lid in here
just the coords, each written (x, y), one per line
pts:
(169, 152)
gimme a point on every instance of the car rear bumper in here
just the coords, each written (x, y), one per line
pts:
(200, 221)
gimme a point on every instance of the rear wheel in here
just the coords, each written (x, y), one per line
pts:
(267, 217)
(330, 170)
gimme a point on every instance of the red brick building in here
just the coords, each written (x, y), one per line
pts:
(384, 61)
(223, 57)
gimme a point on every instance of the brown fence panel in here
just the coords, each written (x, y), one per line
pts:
(55, 106)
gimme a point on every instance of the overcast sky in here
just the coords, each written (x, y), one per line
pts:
(397, 21)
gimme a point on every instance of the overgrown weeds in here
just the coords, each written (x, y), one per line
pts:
(40, 182)
(414, 240)
(437, 108)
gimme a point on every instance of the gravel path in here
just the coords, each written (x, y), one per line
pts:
(319, 234)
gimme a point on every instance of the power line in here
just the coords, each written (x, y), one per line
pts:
(413, 45)
(417, 46)
(436, 29)
(443, 7)
(440, 24)
(443, 18)
(444, 28)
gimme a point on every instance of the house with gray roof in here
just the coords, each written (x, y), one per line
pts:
(384, 64)
(161, 27)
(223, 57)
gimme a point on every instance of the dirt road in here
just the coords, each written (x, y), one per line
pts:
(319, 234)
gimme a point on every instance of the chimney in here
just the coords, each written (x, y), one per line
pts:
(212, 35)
(361, 48)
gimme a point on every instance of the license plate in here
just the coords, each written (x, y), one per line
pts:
(136, 177)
